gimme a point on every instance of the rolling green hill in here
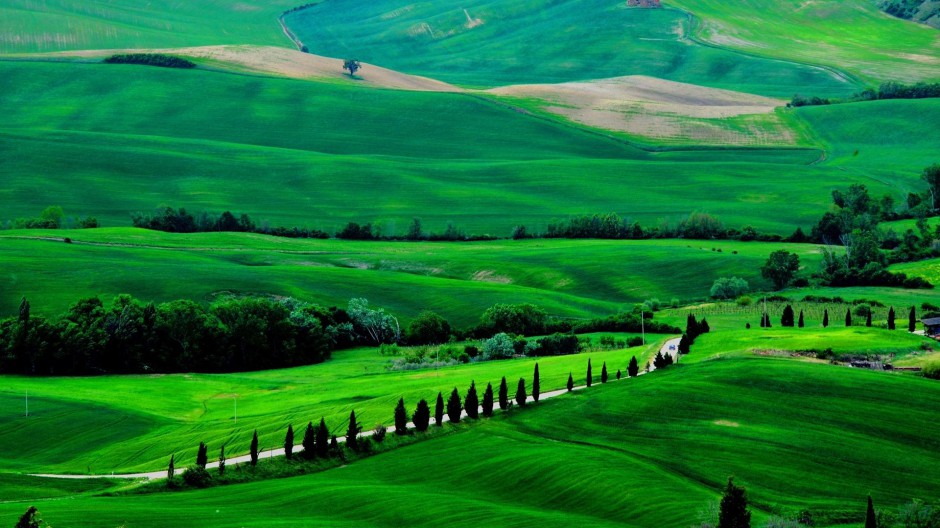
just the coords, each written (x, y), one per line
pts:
(647, 452)
(483, 43)
(566, 277)
(30, 26)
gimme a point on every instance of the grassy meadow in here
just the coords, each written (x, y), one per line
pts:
(647, 452)
(568, 278)
(482, 43)
(851, 36)
(34, 26)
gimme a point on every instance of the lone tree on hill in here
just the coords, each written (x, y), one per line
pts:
(323, 439)
(570, 384)
(781, 268)
(787, 318)
(848, 317)
(454, 407)
(253, 450)
(202, 455)
(520, 393)
(471, 403)
(289, 442)
(912, 320)
(422, 416)
(309, 442)
(352, 66)
(633, 369)
(825, 318)
(732, 511)
(870, 519)
(488, 401)
(604, 373)
(891, 325)
(535, 384)
(503, 394)
(352, 432)
(801, 324)
(401, 418)
(590, 378)
(439, 410)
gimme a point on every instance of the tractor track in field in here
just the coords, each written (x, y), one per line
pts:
(669, 347)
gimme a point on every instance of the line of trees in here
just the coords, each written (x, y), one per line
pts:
(151, 59)
(52, 217)
(256, 333)
(887, 90)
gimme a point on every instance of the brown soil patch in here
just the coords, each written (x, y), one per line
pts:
(726, 423)
(656, 108)
(283, 62)
(490, 276)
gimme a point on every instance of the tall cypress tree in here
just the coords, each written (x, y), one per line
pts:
(503, 394)
(422, 416)
(604, 373)
(352, 432)
(488, 401)
(786, 319)
(202, 455)
(868, 319)
(439, 410)
(891, 325)
(912, 320)
(323, 439)
(309, 442)
(589, 377)
(732, 511)
(801, 323)
(870, 519)
(454, 407)
(471, 403)
(535, 384)
(825, 318)
(254, 448)
(570, 384)
(633, 369)
(171, 471)
(848, 317)
(659, 361)
(289, 442)
(619, 375)
(222, 461)
(401, 418)
(520, 393)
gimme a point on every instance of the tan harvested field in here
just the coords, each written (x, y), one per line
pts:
(281, 62)
(663, 110)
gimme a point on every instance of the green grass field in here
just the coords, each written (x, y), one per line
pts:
(139, 421)
(31, 26)
(540, 41)
(646, 452)
(571, 278)
(851, 36)
(173, 138)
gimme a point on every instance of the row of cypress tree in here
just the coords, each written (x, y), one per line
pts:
(787, 319)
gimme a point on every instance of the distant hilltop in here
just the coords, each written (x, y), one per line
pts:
(923, 11)
(650, 4)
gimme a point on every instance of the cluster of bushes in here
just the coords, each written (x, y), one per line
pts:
(611, 226)
(52, 217)
(232, 334)
(179, 221)
(887, 90)
(151, 59)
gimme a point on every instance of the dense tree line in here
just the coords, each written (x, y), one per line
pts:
(52, 217)
(180, 221)
(151, 59)
(887, 90)
(231, 334)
